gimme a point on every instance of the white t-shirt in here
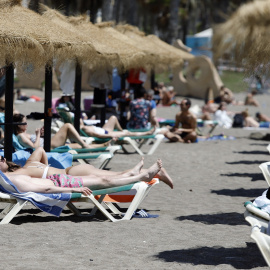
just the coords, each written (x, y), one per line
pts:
(223, 119)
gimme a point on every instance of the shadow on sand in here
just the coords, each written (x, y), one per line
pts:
(232, 218)
(254, 176)
(253, 152)
(241, 192)
(36, 216)
(240, 258)
(247, 162)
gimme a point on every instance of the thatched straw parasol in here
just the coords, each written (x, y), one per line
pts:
(128, 56)
(115, 52)
(56, 41)
(161, 58)
(177, 53)
(246, 35)
(15, 45)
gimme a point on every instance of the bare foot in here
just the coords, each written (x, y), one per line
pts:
(137, 169)
(164, 177)
(149, 174)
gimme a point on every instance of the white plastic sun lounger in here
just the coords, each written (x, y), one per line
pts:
(102, 199)
(259, 221)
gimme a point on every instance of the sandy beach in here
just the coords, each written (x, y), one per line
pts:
(200, 224)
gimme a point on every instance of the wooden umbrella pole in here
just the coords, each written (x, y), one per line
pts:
(9, 110)
(78, 90)
(48, 108)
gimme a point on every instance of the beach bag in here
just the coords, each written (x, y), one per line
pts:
(238, 121)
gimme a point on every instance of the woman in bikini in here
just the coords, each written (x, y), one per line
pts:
(79, 176)
(67, 131)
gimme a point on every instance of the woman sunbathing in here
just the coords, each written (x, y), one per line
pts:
(112, 129)
(67, 131)
(83, 174)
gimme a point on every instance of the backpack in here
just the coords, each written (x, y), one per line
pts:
(238, 121)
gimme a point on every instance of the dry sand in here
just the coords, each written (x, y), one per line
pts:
(200, 224)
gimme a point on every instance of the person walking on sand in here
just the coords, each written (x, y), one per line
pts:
(187, 132)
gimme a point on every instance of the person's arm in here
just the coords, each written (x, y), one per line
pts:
(24, 185)
(53, 189)
(38, 155)
(129, 110)
(128, 115)
(177, 122)
(153, 118)
(26, 142)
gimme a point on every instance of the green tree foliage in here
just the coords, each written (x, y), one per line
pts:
(169, 19)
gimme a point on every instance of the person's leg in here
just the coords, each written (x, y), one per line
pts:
(67, 131)
(87, 169)
(114, 134)
(191, 137)
(173, 137)
(91, 146)
(99, 182)
(112, 124)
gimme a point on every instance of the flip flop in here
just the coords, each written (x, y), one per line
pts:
(143, 214)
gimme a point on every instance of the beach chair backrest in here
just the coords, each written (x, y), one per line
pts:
(265, 168)
(65, 115)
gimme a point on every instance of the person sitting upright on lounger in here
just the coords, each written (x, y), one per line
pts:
(187, 132)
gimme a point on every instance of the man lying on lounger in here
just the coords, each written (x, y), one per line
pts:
(188, 121)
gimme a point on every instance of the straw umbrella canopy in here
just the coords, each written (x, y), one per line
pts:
(57, 42)
(180, 54)
(246, 35)
(160, 58)
(108, 28)
(127, 55)
(115, 52)
(15, 45)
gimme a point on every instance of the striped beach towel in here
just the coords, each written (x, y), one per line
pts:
(49, 203)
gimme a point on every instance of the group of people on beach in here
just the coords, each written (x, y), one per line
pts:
(38, 176)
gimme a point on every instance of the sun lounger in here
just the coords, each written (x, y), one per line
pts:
(65, 148)
(50, 203)
(265, 167)
(54, 203)
(130, 140)
(259, 220)
(133, 194)
(101, 158)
